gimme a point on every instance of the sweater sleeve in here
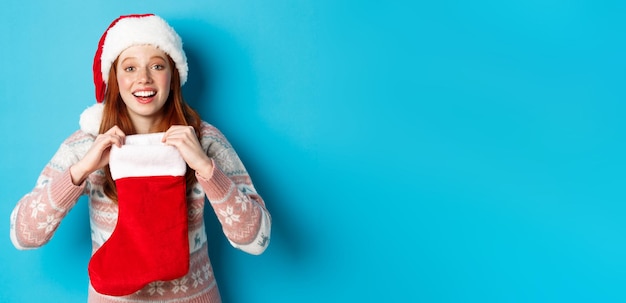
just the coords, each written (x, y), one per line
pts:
(239, 208)
(37, 214)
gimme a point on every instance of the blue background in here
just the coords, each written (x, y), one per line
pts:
(414, 151)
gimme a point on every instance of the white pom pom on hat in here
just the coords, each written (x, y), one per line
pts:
(90, 119)
(122, 33)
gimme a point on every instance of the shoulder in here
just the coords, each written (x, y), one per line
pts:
(79, 138)
(72, 149)
(208, 129)
(211, 133)
(212, 138)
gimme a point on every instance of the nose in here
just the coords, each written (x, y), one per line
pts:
(144, 75)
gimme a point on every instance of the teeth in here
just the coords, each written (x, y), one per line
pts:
(144, 94)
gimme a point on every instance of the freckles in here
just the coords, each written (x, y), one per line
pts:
(124, 81)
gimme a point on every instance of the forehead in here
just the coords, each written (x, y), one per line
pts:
(142, 51)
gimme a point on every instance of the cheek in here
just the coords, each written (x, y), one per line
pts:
(166, 82)
(124, 82)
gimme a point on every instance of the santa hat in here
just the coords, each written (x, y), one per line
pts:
(124, 32)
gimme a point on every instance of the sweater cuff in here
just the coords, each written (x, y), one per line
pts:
(218, 186)
(63, 192)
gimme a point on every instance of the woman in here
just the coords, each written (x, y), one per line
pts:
(156, 248)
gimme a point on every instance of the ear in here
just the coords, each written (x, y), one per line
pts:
(90, 119)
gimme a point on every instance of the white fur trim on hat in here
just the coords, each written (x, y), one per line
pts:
(90, 119)
(145, 155)
(151, 30)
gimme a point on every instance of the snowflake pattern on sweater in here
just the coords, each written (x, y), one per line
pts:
(241, 211)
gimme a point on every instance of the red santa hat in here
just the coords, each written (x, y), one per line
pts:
(124, 32)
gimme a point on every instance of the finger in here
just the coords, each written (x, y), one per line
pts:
(179, 132)
(117, 140)
(106, 140)
(116, 131)
(168, 133)
(120, 136)
(180, 128)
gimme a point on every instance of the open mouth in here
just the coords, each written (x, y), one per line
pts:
(144, 94)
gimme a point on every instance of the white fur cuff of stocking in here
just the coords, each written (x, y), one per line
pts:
(145, 155)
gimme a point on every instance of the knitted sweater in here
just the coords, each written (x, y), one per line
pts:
(241, 211)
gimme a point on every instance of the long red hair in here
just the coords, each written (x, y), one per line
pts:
(175, 112)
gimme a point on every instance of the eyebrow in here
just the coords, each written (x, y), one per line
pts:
(151, 58)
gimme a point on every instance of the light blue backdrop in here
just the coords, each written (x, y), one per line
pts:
(409, 151)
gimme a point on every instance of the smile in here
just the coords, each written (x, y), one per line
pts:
(144, 94)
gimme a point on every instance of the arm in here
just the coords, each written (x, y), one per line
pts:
(239, 208)
(37, 215)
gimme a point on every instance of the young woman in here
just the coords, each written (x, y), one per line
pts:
(146, 211)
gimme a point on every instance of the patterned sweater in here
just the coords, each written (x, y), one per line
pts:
(241, 211)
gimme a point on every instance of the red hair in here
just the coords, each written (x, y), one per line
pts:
(175, 112)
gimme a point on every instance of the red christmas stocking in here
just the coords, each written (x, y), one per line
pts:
(150, 241)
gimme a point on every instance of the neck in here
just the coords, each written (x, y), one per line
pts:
(146, 125)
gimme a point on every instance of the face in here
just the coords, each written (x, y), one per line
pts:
(144, 77)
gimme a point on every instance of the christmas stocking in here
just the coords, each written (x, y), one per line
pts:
(150, 241)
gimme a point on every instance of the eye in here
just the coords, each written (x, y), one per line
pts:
(158, 67)
(129, 68)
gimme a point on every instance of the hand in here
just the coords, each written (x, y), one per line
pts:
(185, 140)
(98, 155)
